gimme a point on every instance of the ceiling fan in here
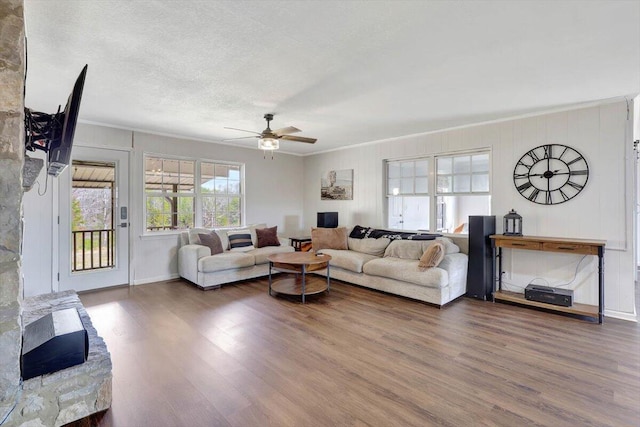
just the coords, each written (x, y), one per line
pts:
(269, 139)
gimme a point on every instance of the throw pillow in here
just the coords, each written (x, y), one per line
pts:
(267, 236)
(329, 238)
(359, 232)
(194, 235)
(240, 240)
(254, 236)
(212, 240)
(432, 256)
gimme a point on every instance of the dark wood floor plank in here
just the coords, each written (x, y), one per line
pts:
(355, 357)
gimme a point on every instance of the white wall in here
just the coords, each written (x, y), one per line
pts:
(37, 247)
(603, 210)
(274, 191)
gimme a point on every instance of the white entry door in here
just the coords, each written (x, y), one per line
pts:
(94, 220)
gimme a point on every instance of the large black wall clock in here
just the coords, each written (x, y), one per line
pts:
(551, 174)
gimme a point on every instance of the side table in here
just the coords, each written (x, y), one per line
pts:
(301, 244)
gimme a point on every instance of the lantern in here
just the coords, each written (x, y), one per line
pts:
(512, 224)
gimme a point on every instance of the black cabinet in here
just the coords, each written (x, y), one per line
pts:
(480, 272)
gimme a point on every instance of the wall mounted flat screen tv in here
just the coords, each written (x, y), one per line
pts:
(53, 133)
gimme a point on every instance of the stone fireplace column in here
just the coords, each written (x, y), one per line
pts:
(12, 69)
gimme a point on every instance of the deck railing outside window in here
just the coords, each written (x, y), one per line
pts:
(92, 249)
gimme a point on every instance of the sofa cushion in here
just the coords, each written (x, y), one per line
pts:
(212, 241)
(261, 254)
(225, 261)
(432, 256)
(348, 260)
(240, 240)
(369, 246)
(413, 249)
(329, 238)
(406, 270)
(267, 237)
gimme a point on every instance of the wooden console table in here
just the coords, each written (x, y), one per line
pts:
(550, 244)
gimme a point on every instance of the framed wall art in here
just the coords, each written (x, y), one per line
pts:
(337, 185)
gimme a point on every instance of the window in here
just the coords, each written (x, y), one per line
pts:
(462, 190)
(459, 188)
(220, 189)
(171, 194)
(408, 194)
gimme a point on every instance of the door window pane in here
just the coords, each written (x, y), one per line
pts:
(408, 212)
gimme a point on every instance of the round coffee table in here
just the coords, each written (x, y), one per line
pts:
(298, 263)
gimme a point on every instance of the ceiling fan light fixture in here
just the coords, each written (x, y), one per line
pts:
(268, 144)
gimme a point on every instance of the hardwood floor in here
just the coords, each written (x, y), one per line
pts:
(356, 357)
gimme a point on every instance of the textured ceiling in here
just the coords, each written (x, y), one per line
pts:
(344, 72)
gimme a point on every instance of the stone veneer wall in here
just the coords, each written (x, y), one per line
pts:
(12, 69)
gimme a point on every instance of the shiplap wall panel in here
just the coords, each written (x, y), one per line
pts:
(598, 212)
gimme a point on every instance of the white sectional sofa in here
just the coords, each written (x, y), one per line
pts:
(196, 264)
(383, 264)
(392, 266)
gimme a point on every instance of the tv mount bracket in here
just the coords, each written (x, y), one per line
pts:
(41, 129)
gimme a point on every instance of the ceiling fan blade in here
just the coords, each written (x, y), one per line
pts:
(299, 139)
(242, 137)
(243, 130)
(286, 131)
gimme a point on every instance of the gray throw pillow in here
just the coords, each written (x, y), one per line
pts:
(212, 241)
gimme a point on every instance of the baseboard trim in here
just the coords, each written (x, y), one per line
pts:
(155, 279)
(621, 315)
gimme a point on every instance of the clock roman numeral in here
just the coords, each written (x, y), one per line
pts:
(549, 200)
(563, 194)
(534, 195)
(577, 186)
(580, 172)
(548, 151)
(563, 151)
(577, 159)
(524, 186)
(533, 156)
(520, 175)
(521, 163)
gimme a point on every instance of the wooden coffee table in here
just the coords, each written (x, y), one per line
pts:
(299, 263)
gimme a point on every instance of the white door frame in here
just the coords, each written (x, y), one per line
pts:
(94, 279)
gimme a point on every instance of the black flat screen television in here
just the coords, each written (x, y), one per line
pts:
(54, 133)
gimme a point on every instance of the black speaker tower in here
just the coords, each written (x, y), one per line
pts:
(480, 273)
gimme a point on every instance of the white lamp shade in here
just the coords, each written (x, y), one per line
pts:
(268, 144)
